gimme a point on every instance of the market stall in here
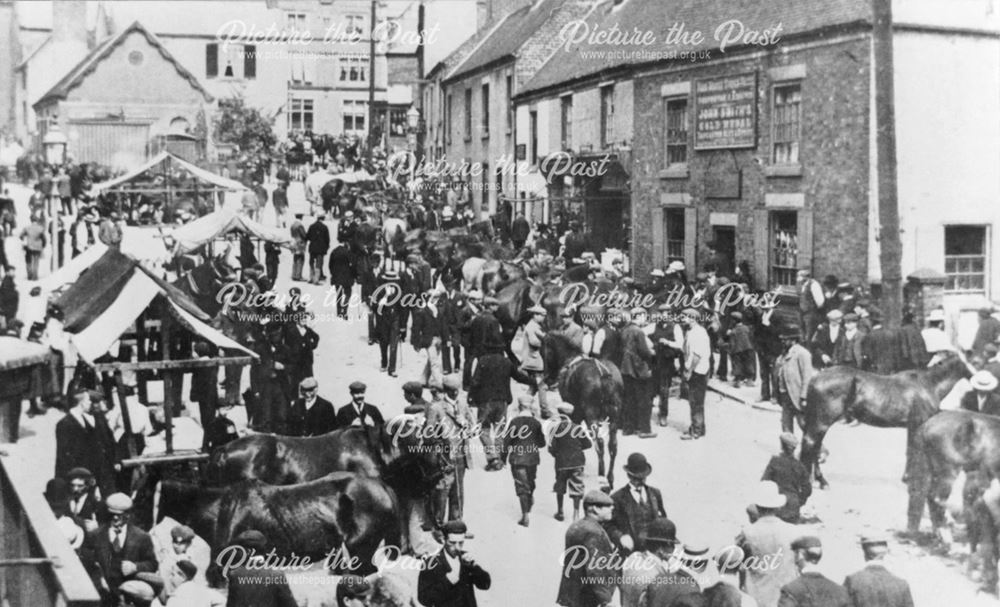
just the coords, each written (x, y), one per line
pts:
(26, 370)
(220, 224)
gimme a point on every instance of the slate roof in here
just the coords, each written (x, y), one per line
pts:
(658, 16)
(461, 52)
(509, 35)
(83, 69)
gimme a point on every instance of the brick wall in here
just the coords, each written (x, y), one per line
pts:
(833, 155)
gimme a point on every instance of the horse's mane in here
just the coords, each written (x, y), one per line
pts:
(949, 364)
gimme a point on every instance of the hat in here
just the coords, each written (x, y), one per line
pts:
(658, 273)
(348, 214)
(874, 538)
(118, 503)
(637, 311)
(452, 381)
(413, 387)
(851, 317)
(182, 532)
(588, 255)
(455, 528)
(701, 276)
(788, 440)
(695, 552)
(597, 498)
(251, 539)
(692, 313)
(390, 275)
(79, 473)
(412, 258)
(637, 465)
(737, 315)
(768, 496)
(357, 386)
(675, 266)
(834, 315)
(984, 381)
(806, 542)
(664, 307)
(661, 529)
(489, 301)
(187, 567)
(56, 491)
(308, 383)
(475, 294)
(353, 587)
(138, 590)
(936, 315)
(791, 334)
(95, 396)
(71, 531)
(537, 309)
(564, 408)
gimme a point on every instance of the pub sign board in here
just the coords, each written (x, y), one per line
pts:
(726, 112)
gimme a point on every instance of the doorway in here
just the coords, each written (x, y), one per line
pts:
(725, 244)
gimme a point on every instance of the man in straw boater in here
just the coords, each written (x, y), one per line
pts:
(588, 577)
(811, 588)
(450, 577)
(875, 586)
(768, 538)
(636, 505)
(983, 397)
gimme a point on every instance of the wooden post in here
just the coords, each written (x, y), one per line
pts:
(141, 339)
(126, 416)
(168, 380)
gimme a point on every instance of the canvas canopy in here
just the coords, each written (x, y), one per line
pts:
(106, 300)
(316, 181)
(163, 163)
(17, 353)
(220, 223)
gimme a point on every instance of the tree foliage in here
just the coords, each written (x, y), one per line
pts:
(247, 127)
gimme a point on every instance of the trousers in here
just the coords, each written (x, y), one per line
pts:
(697, 384)
(638, 404)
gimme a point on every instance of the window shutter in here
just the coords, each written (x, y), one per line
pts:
(761, 249)
(659, 238)
(211, 60)
(690, 239)
(805, 229)
(250, 61)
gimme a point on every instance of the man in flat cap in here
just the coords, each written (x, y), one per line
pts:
(358, 412)
(812, 588)
(311, 414)
(794, 370)
(875, 586)
(697, 364)
(521, 442)
(135, 593)
(83, 504)
(588, 576)
(791, 476)
(826, 339)
(185, 546)
(451, 420)
(117, 551)
(190, 589)
(637, 373)
(450, 577)
(413, 394)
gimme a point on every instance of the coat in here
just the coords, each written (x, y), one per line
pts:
(647, 581)
(567, 445)
(874, 586)
(452, 304)
(970, 402)
(318, 419)
(33, 237)
(348, 415)
(793, 482)
(848, 351)
(769, 537)
(987, 333)
(318, 237)
(98, 551)
(491, 379)
(822, 344)
(434, 589)
(591, 584)
(914, 350)
(520, 229)
(341, 267)
(300, 349)
(453, 422)
(259, 588)
(531, 354)
(426, 326)
(813, 589)
(484, 330)
(93, 449)
(521, 441)
(883, 351)
(298, 237)
(795, 369)
(636, 353)
(630, 518)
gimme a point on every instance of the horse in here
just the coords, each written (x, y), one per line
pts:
(305, 519)
(594, 388)
(203, 283)
(394, 232)
(902, 400)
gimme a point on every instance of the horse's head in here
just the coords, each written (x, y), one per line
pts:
(557, 351)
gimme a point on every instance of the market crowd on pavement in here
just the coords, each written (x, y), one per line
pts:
(471, 355)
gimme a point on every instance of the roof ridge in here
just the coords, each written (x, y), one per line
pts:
(493, 30)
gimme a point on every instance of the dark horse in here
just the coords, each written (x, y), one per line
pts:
(902, 400)
(283, 460)
(203, 283)
(593, 387)
(307, 519)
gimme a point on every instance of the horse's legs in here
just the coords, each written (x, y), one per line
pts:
(812, 445)
(612, 451)
(595, 429)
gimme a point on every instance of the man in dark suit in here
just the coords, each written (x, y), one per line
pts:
(882, 348)
(318, 237)
(489, 396)
(588, 577)
(637, 373)
(84, 439)
(982, 398)
(311, 414)
(117, 551)
(300, 342)
(520, 229)
(360, 413)
(83, 504)
(874, 586)
(342, 275)
(826, 339)
(452, 302)
(811, 588)
(521, 442)
(636, 505)
(428, 334)
(253, 585)
(449, 577)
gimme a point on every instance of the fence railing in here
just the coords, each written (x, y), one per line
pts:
(38, 567)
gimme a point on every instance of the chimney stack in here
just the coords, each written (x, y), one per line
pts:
(69, 21)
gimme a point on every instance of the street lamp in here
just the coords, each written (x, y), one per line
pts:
(54, 143)
(413, 118)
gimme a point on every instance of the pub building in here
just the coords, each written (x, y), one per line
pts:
(768, 149)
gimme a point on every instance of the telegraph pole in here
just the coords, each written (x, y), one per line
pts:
(890, 245)
(371, 82)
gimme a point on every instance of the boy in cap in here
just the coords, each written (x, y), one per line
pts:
(136, 593)
(567, 444)
(847, 351)
(589, 584)
(875, 586)
(117, 551)
(791, 476)
(812, 588)
(741, 350)
(521, 442)
(450, 577)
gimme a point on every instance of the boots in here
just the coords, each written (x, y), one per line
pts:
(525, 509)
(559, 507)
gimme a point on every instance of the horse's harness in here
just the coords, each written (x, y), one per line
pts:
(602, 368)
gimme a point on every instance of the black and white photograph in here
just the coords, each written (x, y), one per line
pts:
(499, 303)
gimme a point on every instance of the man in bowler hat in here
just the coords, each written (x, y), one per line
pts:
(636, 505)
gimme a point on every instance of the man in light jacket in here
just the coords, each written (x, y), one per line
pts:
(795, 369)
